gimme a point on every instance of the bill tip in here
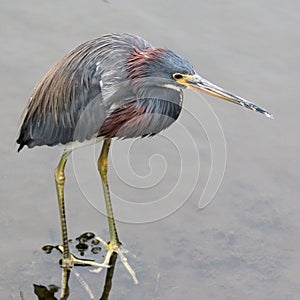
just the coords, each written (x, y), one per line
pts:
(269, 115)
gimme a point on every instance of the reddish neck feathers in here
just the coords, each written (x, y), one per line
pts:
(137, 62)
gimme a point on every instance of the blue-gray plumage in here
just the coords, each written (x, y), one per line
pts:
(80, 93)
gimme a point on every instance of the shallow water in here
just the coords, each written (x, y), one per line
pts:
(245, 244)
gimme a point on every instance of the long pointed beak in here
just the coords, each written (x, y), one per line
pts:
(196, 82)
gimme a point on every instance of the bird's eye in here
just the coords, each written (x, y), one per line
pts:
(177, 76)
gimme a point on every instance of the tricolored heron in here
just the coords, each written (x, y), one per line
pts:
(115, 86)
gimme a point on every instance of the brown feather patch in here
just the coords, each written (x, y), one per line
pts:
(139, 59)
(124, 121)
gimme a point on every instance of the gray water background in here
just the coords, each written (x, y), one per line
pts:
(245, 244)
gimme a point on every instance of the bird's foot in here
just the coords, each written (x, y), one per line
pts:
(67, 263)
(117, 248)
(72, 260)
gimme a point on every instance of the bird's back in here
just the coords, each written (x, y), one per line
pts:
(72, 101)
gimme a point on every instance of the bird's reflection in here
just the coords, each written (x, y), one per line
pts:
(45, 293)
(109, 276)
(85, 242)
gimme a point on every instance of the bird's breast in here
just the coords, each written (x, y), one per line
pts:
(141, 117)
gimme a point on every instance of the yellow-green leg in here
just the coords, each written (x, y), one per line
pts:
(59, 176)
(114, 243)
(68, 260)
(102, 168)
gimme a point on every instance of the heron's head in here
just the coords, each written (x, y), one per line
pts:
(165, 67)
